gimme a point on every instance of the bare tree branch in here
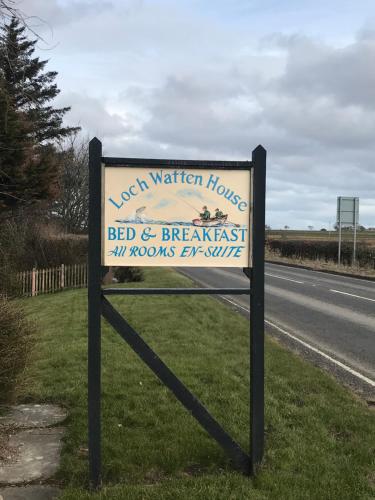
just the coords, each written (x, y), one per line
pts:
(71, 206)
(9, 9)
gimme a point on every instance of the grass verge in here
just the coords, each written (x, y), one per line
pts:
(321, 265)
(319, 438)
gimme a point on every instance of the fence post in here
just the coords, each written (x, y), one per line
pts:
(62, 276)
(33, 287)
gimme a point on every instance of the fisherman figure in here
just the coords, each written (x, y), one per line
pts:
(218, 213)
(206, 214)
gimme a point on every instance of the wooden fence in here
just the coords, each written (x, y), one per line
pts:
(52, 280)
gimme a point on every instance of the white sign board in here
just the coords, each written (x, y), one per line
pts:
(347, 211)
(176, 217)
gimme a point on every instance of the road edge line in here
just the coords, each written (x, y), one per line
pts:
(324, 355)
(352, 295)
(310, 347)
(370, 279)
(296, 339)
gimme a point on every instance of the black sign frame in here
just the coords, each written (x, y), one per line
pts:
(99, 305)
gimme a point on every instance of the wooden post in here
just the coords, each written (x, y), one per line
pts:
(33, 282)
(62, 276)
(257, 311)
(94, 313)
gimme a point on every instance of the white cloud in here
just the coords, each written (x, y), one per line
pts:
(45, 15)
(91, 114)
(187, 79)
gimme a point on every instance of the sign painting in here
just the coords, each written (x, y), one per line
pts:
(176, 217)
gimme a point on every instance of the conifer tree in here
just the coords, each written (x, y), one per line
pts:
(27, 173)
(29, 124)
(13, 152)
(30, 87)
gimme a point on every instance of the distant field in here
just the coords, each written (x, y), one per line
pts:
(367, 237)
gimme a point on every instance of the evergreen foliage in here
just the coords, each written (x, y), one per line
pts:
(29, 124)
(29, 87)
(14, 152)
(128, 274)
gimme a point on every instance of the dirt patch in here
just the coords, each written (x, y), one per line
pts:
(154, 476)
(8, 453)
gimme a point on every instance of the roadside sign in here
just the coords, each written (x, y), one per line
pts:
(175, 212)
(347, 211)
(347, 216)
(176, 216)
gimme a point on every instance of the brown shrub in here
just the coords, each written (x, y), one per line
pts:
(26, 243)
(15, 345)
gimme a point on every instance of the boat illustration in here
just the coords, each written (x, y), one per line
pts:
(139, 217)
(214, 221)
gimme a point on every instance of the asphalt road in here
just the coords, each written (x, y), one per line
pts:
(331, 316)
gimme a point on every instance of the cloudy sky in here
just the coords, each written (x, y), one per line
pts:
(211, 79)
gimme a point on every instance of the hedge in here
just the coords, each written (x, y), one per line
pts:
(24, 244)
(322, 250)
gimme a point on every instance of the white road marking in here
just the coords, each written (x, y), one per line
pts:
(326, 273)
(282, 278)
(314, 349)
(352, 295)
(322, 306)
(235, 304)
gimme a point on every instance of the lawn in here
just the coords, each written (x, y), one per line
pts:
(320, 439)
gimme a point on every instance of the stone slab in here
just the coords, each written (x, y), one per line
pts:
(37, 457)
(29, 493)
(33, 415)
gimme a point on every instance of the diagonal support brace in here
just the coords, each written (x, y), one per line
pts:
(195, 407)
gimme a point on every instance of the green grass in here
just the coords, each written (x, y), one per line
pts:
(319, 438)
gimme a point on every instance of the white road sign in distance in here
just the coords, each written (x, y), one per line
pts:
(347, 211)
